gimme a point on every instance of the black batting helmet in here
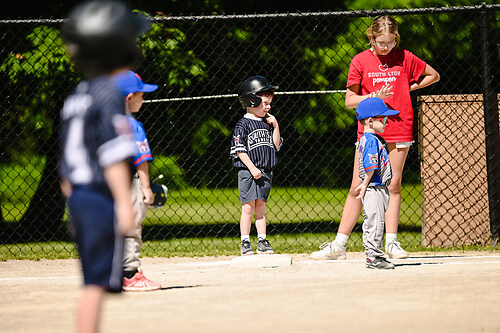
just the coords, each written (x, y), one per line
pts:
(102, 35)
(248, 89)
(160, 193)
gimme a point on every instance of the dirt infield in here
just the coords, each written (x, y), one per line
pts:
(447, 292)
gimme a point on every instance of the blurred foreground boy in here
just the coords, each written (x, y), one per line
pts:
(101, 37)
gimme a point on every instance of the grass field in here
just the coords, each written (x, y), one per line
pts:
(286, 205)
(190, 224)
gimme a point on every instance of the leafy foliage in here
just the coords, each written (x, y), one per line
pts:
(37, 77)
(46, 57)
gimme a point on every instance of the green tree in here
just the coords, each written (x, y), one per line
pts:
(38, 78)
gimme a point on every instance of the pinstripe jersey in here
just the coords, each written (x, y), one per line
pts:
(373, 156)
(254, 136)
(94, 133)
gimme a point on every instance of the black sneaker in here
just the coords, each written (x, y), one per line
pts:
(263, 247)
(379, 263)
(246, 248)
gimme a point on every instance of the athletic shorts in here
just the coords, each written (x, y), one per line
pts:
(99, 246)
(404, 144)
(252, 189)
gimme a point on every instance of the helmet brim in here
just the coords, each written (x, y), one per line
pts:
(269, 87)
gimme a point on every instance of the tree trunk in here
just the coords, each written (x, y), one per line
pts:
(43, 218)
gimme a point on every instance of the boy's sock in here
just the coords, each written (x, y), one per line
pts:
(390, 237)
(245, 237)
(341, 239)
(129, 274)
(261, 236)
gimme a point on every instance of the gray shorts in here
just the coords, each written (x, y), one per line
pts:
(252, 189)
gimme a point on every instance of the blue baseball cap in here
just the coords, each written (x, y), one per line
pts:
(130, 82)
(373, 107)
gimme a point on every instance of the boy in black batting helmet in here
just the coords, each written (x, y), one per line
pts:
(97, 146)
(256, 139)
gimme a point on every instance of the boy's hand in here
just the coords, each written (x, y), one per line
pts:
(148, 195)
(271, 120)
(125, 216)
(66, 188)
(362, 189)
(256, 173)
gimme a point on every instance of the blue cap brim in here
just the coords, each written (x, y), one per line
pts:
(149, 87)
(389, 113)
(373, 107)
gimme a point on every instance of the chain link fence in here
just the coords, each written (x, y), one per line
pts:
(198, 62)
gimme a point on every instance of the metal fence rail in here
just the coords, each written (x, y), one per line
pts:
(198, 62)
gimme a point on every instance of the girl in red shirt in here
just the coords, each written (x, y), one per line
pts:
(389, 73)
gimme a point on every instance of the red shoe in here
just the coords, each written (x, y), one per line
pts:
(140, 283)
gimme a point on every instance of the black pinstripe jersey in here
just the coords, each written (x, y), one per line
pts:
(94, 132)
(254, 136)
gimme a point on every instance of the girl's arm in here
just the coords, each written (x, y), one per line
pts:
(429, 76)
(352, 99)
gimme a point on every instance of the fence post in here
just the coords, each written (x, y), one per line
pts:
(491, 126)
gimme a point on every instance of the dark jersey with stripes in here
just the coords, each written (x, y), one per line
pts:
(254, 136)
(94, 132)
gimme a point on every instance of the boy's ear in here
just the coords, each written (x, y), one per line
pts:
(129, 97)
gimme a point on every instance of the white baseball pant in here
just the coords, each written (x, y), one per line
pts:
(375, 203)
(133, 244)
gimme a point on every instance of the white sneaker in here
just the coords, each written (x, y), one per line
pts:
(395, 251)
(330, 251)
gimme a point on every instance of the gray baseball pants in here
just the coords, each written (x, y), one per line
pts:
(375, 203)
(133, 244)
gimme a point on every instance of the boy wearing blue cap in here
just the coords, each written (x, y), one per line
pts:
(133, 88)
(375, 173)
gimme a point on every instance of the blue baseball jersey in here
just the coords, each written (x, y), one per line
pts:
(95, 132)
(143, 151)
(253, 136)
(373, 156)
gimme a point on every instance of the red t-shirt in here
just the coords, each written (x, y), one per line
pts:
(399, 68)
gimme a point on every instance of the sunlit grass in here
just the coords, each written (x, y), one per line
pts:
(216, 206)
(200, 247)
(285, 205)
